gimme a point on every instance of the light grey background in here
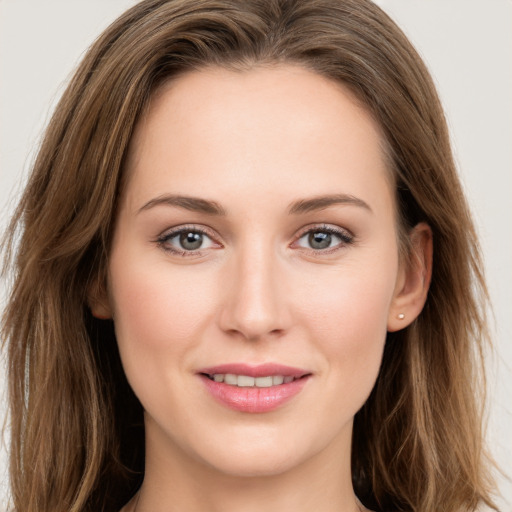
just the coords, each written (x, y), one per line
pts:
(466, 43)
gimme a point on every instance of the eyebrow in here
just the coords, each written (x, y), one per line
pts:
(208, 207)
(322, 202)
(194, 204)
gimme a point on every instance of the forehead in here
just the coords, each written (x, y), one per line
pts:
(282, 125)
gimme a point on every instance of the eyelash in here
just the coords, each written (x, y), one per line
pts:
(163, 240)
(346, 238)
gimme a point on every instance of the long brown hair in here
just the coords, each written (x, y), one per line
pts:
(77, 435)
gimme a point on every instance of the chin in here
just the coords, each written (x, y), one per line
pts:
(264, 456)
(255, 466)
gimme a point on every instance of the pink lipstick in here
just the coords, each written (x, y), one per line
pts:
(253, 389)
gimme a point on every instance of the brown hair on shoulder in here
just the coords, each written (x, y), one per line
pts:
(77, 438)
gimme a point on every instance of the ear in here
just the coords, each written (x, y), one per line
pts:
(98, 301)
(413, 279)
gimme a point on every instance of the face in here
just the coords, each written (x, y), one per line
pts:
(254, 268)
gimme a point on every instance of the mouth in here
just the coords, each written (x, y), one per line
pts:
(247, 381)
(254, 389)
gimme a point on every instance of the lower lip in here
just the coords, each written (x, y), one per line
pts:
(254, 399)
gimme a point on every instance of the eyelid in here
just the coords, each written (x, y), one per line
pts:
(170, 233)
(346, 238)
(345, 235)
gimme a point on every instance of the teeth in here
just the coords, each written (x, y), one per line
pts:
(263, 382)
(229, 378)
(245, 381)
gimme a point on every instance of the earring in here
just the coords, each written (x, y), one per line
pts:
(401, 316)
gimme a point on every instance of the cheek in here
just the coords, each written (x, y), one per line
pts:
(351, 300)
(351, 341)
(160, 315)
(158, 309)
(349, 321)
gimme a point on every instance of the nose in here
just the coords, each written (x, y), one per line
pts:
(255, 305)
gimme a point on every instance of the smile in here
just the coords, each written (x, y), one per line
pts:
(246, 381)
(253, 389)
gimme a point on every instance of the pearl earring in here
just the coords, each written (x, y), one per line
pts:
(401, 316)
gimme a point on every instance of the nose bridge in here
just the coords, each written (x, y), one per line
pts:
(254, 307)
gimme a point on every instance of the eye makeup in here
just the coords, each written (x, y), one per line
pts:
(194, 240)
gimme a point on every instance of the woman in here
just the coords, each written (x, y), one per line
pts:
(247, 274)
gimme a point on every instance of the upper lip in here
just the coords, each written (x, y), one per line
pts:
(259, 370)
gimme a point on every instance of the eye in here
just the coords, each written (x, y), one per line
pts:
(186, 240)
(324, 238)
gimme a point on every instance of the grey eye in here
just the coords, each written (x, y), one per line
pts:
(190, 240)
(319, 239)
(186, 240)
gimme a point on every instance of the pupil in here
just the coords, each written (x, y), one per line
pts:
(191, 241)
(320, 240)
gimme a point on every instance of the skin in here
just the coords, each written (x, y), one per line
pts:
(256, 142)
